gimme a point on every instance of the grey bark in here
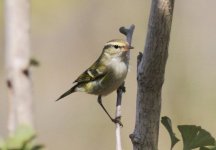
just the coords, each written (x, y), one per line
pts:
(17, 23)
(150, 76)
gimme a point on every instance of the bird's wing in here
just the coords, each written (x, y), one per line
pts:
(96, 71)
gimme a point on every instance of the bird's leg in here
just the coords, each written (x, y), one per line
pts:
(116, 120)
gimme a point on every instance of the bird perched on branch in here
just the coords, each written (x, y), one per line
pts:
(106, 74)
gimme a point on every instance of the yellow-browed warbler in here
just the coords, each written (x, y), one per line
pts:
(106, 74)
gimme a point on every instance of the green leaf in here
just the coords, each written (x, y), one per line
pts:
(21, 138)
(195, 137)
(168, 125)
(208, 148)
(3, 145)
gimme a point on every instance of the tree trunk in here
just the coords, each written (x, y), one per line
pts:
(17, 63)
(150, 76)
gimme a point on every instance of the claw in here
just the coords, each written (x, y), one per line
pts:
(117, 120)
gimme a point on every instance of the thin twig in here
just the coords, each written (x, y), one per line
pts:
(128, 33)
(118, 115)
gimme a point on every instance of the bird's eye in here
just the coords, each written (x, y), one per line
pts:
(116, 46)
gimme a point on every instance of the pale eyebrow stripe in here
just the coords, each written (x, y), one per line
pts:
(111, 45)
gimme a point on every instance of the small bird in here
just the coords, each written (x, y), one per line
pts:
(105, 75)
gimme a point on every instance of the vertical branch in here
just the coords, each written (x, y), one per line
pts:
(150, 76)
(17, 63)
(128, 33)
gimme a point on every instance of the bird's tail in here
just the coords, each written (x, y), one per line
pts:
(71, 90)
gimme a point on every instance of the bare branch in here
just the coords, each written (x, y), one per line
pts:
(150, 76)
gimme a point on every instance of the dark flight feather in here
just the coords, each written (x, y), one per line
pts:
(95, 72)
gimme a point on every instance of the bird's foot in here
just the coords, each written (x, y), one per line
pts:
(122, 89)
(117, 120)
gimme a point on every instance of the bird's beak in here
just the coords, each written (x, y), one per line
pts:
(128, 48)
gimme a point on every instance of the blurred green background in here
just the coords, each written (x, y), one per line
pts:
(67, 36)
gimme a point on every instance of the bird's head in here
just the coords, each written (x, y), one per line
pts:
(117, 47)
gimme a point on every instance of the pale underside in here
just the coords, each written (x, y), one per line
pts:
(115, 76)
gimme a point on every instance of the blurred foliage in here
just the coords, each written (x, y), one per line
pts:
(22, 139)
(193, 136)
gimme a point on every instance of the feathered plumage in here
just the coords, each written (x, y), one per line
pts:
(107, 73)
